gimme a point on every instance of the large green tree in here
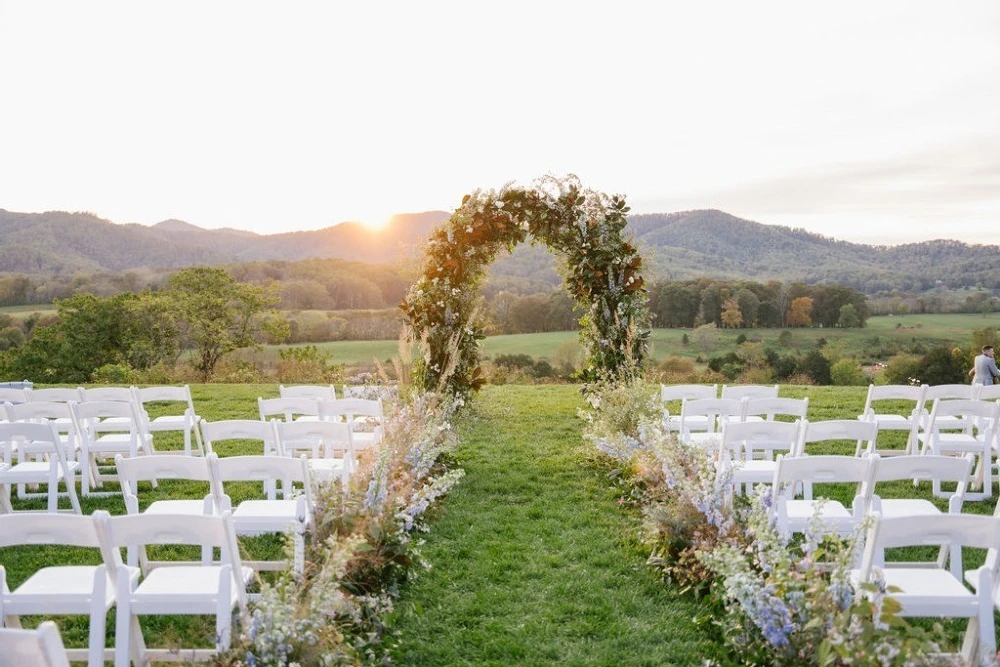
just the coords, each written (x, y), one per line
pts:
(217, 315)
(134, 330)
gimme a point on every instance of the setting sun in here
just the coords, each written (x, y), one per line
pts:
(371, 218)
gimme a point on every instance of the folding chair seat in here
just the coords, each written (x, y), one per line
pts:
(793, 515)
(175, 414)
(970, 416)
(741, 391)
(288, 409)
(317, 392)
(908, 402)
(702, 420)
(948, 469)
(259, 516)
(328, 446)
(766, 409)
(73, 589)
(365, 416)
(684, 392)
(41, 647)
(203, 589)
(52, 412)
(937, 592)
(740, 443)
(61, 465)
(132, 471)
(109, 429)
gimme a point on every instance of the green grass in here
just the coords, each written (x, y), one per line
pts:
(533, 561)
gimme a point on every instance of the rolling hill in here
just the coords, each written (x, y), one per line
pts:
(679, 245)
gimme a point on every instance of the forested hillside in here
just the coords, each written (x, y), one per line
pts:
(676, 246)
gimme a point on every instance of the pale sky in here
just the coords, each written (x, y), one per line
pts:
(870, 121)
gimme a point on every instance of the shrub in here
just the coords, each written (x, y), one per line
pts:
(902, 368)
(816, 366)
(847, 373)
(114, 374)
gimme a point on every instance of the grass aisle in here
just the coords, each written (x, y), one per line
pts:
(533, 562)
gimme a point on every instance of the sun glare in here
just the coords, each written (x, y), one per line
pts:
(376, 222)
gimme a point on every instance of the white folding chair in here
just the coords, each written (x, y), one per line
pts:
(835, 436)
(741, 391)
(56, 395)
(180, 416)
(60, 466)
(792, 515)
(133, 470)
(683, 392)
(41, 647)
(365, 416)
(13, 396)
(317, 392)
(741, 444)
(328, 446)
(52, 412)
(767, 409)
(906, 418)
(53, 589)
(936, 592)
(288, 409)
(944, 392)
(949, 469)
(207, 588)
(109, 429)
(702, 420)
(969, 416)
(243, 437)
(259, 516)
(122, 394)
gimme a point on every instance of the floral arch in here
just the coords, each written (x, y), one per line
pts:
(599, 266)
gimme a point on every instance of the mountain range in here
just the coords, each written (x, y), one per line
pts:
(681, 245)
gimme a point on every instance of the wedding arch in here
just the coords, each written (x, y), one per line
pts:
(601, 270)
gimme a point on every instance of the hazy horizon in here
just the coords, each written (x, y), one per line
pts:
(866, 122)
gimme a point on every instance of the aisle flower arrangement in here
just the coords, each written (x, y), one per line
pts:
(773, 602)
(366, 544)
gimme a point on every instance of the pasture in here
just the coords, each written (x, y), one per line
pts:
(875, 342)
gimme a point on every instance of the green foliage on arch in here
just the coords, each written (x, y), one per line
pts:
(600, 267)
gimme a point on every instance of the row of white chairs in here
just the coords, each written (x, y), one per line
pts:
(923, 589)
(38, 454)
(294, 511)
(207, 587)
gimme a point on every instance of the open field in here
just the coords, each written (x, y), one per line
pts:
(873, 342)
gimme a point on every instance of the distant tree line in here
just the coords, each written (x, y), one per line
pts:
(746, 304)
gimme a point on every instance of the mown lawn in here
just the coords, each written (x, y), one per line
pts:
(533, 560)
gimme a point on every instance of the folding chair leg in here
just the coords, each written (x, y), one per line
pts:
(123, 631)
(970, 645)
(5, 506)
(95, 646)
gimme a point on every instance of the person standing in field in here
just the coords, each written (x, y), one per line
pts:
(984, 370)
